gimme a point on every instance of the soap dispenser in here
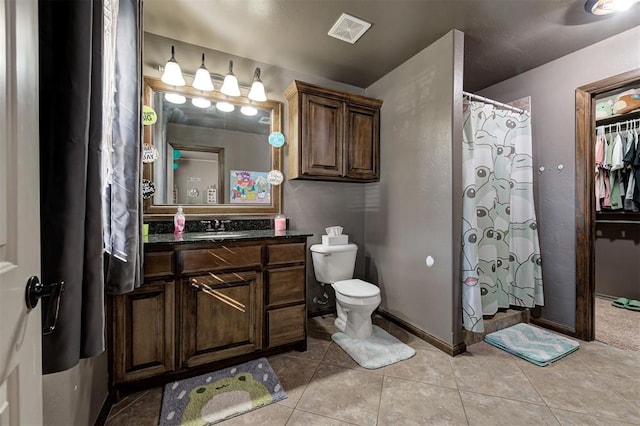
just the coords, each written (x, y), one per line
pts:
(178, 222)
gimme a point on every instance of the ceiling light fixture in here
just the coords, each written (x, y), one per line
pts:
(201, 102)
(202, 80)
(172, 73)
(225, 106)
(230, 85)
(605, 7)
(257, 88)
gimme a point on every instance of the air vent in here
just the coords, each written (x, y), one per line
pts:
(349, 28)
(265, 120)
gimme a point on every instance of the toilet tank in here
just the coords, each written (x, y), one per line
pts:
(333, 263)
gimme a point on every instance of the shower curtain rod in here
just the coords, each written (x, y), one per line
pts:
(491, 101)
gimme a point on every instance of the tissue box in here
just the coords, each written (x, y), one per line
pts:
(335, 240)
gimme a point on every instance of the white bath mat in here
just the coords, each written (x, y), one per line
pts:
(375, 351)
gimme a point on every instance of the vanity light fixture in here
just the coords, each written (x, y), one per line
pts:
(230, 85)
(172, 73)
(257, 88)
(225, 106)
(202, 80)
(174, 98)
(249, 110)
(605, 7)
(201, 102)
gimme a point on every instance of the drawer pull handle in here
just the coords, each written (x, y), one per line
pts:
(221, 297)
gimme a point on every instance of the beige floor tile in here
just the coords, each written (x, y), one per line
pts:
(294, 374)
(491, 410)
(405, 337)
(342, 393)
(323, 324)
(381, 322)
(270, 415)
(302, 418)
(491, 373)
(406, 402)
(316, 348)
(427, 365)
(335, 355)
(569, 418)
(569, 385)
(144, 411)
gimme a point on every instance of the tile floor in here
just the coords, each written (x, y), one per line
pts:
(597, 385)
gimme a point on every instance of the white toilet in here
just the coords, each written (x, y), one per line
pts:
(355, 299)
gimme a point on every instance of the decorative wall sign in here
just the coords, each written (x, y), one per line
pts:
(276, 139)
(274, 177)
(149, 153)
(148, 189)
(149, 116)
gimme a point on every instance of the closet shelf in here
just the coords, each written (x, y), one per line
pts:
(617, 216)
(618, 118)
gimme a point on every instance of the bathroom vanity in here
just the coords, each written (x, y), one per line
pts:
(208, 300)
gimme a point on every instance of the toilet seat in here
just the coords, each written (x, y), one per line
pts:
(356, 292)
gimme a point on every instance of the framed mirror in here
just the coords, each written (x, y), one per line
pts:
(210, 152)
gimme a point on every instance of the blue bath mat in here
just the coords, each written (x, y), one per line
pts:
(211, 398)
(375, 351)
(533, 344)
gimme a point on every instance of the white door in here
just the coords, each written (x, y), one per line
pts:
(20, 330)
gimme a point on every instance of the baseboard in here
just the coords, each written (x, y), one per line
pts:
(432, 340)
(104, 411)
(325, 310)
(554, 326)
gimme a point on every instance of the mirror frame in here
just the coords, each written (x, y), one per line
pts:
(151, 85)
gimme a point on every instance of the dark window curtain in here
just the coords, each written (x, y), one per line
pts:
(71, 188)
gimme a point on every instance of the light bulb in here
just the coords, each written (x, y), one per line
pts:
(225, 106)
(230, 85)
(249, 111)
(174, 98)
(201, 102)
(257, 88)
(172, 73)
(202, 80)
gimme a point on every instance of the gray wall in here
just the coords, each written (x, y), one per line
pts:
(410, 214)
(75, 396)
(617, 260)
(552, 90)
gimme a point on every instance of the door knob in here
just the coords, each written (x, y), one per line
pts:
(35, 291)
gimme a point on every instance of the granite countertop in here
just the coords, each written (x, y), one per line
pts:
(216, 237)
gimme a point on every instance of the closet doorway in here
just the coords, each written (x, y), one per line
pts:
(585, 200)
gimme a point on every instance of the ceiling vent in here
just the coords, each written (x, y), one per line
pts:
(349, 28)
(265, 120)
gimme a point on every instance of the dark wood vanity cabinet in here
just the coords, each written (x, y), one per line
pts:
(205, 304)
(333, 135)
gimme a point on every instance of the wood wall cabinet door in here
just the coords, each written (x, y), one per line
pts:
(323, 132)
(144, 332)
(334, 135)
(221, 317)
(362, 132)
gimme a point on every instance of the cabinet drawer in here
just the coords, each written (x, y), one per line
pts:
(286, 325)
(158, 264)
(286, 253)
(220, 257)
(285, 285)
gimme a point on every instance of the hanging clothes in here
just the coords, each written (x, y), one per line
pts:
(500, 263)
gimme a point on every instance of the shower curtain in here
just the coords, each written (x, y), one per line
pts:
(500, 263)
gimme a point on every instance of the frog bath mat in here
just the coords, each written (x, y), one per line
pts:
(213, 397)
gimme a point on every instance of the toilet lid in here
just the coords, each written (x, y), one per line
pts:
(356, 288)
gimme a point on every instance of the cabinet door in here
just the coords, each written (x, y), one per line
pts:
(144, 330)
(362, 144)
(322, 135)
(221, 317)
